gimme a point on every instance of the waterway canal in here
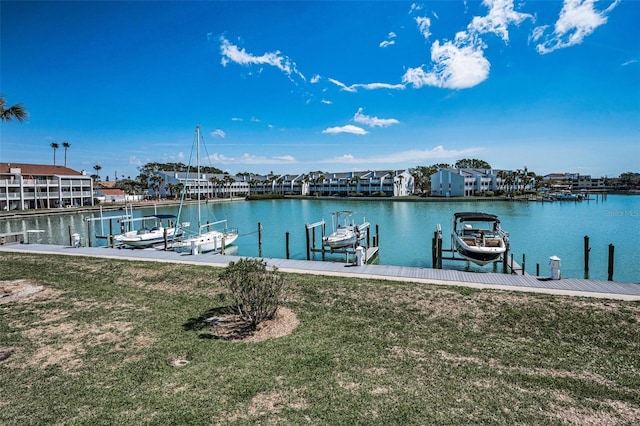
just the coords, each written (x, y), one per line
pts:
(537, 230)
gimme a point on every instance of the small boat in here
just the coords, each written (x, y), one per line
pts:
(206, 239)
(211, 240)
(148, 237)
(345, 233)
(478, 237)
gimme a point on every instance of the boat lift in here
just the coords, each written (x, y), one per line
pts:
(128, 215)
(350, 251)
(437, 254)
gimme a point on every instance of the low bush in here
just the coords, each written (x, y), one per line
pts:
(255, 291)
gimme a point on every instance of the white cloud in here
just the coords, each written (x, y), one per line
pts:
(349, 128)
(501, 15)
(413, 156)
(231, 53)
(326, 102)
(389, 41)
(577, 20)
(359, 117)
(457, 65)
(461, 63)
(424, 26)
(251, 159)
(341, 85)
(633, 61)
(367, 86)
(414, 7)
(316, 78)
(237, 119)
(218, 133)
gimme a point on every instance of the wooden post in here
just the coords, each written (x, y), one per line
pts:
(512, 263)
(434, 259)
(259, 239)
(439, 248)
(110, 240)
(224, 246)
(523, 263)
(287, 243)
(306, 228)
(586, 257)
(70, 238)
(610, 269)
(537, 269)
(88, 233)
(505, 258)
(166, 242)
(322, 245)
(377, 236)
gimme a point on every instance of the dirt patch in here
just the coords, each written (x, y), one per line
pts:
(13, 290)
(232, 327)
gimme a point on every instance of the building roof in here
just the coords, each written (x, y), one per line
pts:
(112, 192)
(38, 169)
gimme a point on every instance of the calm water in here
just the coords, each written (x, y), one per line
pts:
(538, 230)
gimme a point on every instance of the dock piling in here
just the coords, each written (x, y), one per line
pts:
(610, 266)
(587, 249)
(287, 244)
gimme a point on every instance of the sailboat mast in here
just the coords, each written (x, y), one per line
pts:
(198, 168)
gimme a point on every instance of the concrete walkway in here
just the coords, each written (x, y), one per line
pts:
(527, 283)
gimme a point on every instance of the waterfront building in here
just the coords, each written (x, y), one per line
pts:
(365, 183)
(464, 182)
(115, 195)
(36, 186)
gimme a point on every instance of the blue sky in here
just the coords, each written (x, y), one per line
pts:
(296, 86)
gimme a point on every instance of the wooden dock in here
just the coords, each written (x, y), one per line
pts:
(11, 238)
(510, 282)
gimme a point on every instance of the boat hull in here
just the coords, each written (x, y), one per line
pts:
(207, 242)
(148, 239)
(478, 255)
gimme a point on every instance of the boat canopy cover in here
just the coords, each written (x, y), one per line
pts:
(161, 216)
(475, 217)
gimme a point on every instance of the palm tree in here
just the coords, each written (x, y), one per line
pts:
(55, 146)
(97, 168)
(215, 182)
(16, 111)
(66, 146)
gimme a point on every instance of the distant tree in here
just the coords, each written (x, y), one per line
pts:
(422, 175)
(55, 146)
(66, 146)
(472, 163)
(17, 111)
(97, 168)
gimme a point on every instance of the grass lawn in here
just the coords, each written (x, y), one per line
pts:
(96, 346)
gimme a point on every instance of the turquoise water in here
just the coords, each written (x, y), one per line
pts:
(537, 230)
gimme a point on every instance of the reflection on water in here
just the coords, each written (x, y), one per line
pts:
(405, 229)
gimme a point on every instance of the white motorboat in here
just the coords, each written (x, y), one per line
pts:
(478, 237)
(345, 233)
(147, 237)
(206, 239)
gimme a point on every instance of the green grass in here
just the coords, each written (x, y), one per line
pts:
(93, 348)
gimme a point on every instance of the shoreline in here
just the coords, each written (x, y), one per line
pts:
(16, 214)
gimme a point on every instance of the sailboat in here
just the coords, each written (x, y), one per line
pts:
(206, 239)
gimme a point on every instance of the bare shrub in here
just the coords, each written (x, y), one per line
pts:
(255, 290)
